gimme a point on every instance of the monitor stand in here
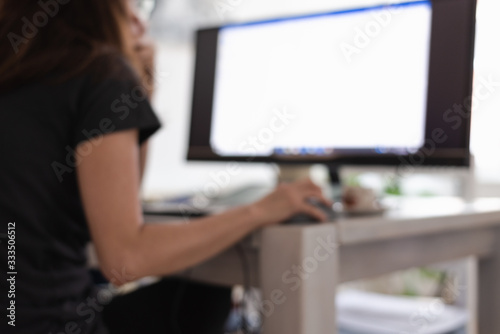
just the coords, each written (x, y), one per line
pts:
(335, 182)
(292, 172)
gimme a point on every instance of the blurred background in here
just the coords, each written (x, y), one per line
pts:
(173, 25)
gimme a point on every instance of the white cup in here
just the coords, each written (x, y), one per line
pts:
(359, 199)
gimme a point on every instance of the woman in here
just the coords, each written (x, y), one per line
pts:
(74, 122)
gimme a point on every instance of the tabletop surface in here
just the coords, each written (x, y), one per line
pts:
(412, 216)
(404, 217)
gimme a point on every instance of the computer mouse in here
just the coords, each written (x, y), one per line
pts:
(302, 218)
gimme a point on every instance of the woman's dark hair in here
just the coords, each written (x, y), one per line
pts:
(62, 37)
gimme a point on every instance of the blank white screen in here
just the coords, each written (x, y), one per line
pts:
(376, 98)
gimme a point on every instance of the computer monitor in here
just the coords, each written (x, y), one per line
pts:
(381, 85)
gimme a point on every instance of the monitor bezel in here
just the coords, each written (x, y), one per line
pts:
(442, 95)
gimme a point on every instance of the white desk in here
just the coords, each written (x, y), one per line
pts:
(420, 232)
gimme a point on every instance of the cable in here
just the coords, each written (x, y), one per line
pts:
(246, 284)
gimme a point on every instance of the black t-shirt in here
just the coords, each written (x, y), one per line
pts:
(40, 126)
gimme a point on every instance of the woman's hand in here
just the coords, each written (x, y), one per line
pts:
(289, 199)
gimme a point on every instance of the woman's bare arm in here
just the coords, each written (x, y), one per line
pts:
(143, 157)
(109, 180)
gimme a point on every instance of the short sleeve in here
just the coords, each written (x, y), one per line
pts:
(113, 103)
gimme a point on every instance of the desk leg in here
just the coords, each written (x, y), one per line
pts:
(298, 277)
(489, 290)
